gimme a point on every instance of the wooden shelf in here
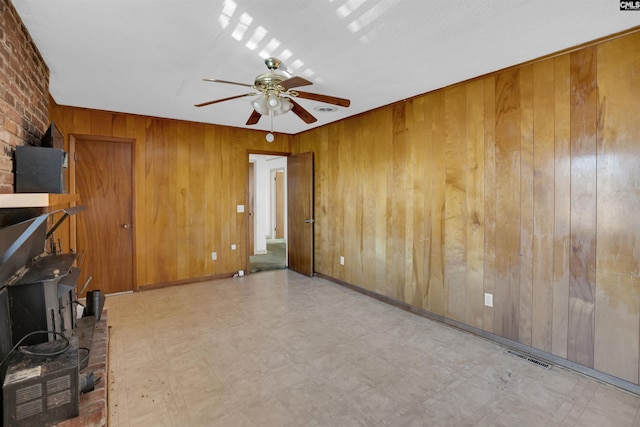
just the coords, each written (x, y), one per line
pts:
(36, 200)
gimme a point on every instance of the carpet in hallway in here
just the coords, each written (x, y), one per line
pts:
(274, 259)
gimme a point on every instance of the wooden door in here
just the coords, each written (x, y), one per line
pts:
(300, 212)
(251, 208)
(279, 205)
(104, 180)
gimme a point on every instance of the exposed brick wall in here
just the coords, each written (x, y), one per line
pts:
(24, 91)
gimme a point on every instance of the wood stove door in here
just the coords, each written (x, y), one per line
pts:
(104, 180)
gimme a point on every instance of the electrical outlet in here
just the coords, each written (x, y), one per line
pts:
(488, 300)
(214, 256)
(341, 260)
(233, 247)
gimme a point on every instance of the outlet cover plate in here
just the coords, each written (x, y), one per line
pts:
(488, 300)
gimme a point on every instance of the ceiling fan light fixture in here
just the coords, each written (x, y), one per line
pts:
(282, 110)
(260, 105)
(273, 102)
(285, 106)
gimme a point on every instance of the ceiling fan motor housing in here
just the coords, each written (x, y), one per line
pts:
(269, 81)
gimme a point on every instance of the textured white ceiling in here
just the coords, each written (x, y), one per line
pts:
(148, 56)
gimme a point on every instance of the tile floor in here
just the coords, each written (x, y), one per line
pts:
(280, 349)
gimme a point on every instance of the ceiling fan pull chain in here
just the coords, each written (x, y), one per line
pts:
(269, 137)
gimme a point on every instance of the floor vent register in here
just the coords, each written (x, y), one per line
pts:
(529, 359)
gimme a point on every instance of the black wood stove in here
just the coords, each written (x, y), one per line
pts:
(38, 351)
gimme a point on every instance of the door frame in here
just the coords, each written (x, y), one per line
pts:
(247, 262)
(251, 220)
(72, 189)
(274, 202)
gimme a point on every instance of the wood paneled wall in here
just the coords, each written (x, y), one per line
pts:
(524, 184)
(189, 177)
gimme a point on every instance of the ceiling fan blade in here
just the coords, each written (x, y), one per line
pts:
(224, 99)
(253, 118)
(342, 102)
(227, 82)
(294, 82)
(306, 116)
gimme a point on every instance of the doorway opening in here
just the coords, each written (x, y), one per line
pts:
(268, 210)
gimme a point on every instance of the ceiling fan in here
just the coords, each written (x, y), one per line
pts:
(275, 95)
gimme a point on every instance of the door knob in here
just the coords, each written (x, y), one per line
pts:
(126, 225)
(309, 221)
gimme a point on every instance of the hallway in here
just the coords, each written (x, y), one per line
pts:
(281, 349)
(274, 259)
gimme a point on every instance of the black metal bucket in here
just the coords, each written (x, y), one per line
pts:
(95, 304)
